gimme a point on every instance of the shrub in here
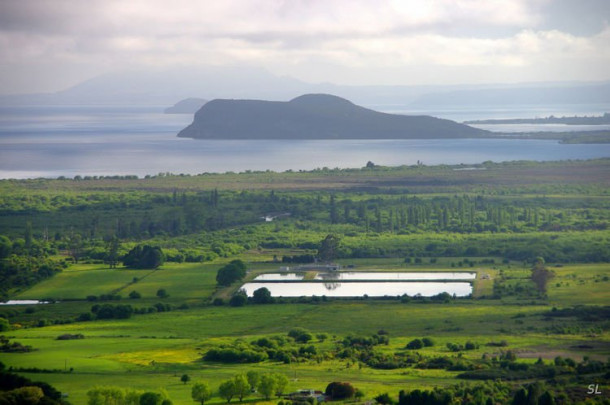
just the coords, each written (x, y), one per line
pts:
(300, 335)
(415, 344)
(238, 300)
(340, 390)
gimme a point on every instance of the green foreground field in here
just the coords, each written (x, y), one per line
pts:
(152, 351)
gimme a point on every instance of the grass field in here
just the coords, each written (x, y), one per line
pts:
(154, 350)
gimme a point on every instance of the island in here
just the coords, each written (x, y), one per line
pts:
(575, 120)
(186, 106)
(315, 116)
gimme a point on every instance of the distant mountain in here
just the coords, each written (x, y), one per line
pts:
(165, 87)
(541, 94)
(186, 106)
(314, 116)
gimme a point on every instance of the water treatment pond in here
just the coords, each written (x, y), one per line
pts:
(369, 275)
(359, 289)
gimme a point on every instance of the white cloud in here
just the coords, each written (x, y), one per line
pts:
(291, 36)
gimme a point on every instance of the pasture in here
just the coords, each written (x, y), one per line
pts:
(154, 350)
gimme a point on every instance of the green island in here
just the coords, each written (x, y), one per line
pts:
(142, 279)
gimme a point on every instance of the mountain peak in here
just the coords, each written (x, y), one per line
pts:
(320, 99)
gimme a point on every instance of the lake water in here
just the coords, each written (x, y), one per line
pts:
(69, 141)
(359, 289)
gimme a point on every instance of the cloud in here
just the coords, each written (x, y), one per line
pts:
(288, 36)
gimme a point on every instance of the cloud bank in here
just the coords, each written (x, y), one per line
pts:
(47, 45)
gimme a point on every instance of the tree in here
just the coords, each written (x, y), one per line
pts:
(29, 395)
(201, 392)
(239, 299)
(546, 399)
(4, 325)
(5, 247)
(151, 398)
(281, 381)
(134, 295)
(339, 390)
(520, 397)
(384, 399)
(334, 217)
(329, 248)
(541, 275)
(144, 257)
(262, 296)
(226, 390)
(242, 388)
(267, 385)
(253, 379)
(228, 274)
(112, 252)
(185, 378)
(162, 293)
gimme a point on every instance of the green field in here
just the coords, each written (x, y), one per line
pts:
(56, 243)
(153, 350)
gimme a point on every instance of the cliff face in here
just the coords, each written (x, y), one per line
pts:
(314, 116)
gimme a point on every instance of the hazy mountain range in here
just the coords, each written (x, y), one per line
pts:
(164, 88)
(314, 116)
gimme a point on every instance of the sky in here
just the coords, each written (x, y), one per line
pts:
(50, 45)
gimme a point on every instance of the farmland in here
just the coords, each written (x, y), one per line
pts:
(496, 221)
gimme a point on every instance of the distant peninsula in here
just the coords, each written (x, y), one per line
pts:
(186, 106)
(575, 120)
(315, 116)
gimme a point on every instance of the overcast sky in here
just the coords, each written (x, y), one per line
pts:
(49, 45)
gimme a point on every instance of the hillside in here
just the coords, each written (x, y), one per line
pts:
(314, 116)
(186, 106)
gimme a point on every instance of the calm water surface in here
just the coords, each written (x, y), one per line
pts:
(69, 141)
(359, 289)
(367, 275)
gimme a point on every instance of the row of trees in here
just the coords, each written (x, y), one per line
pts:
(126, 396)
(242, 385)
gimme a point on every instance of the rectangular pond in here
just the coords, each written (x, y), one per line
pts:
(359, 289)
(370, 276)
(390, 276)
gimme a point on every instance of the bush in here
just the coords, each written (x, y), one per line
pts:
(262, 296)
(300, 335)
(144, 257)
(415, 344)
(68, 336)
(340, 390)
(238, 300)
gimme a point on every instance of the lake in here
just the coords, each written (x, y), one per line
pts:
(69, 141)
(359, 289)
